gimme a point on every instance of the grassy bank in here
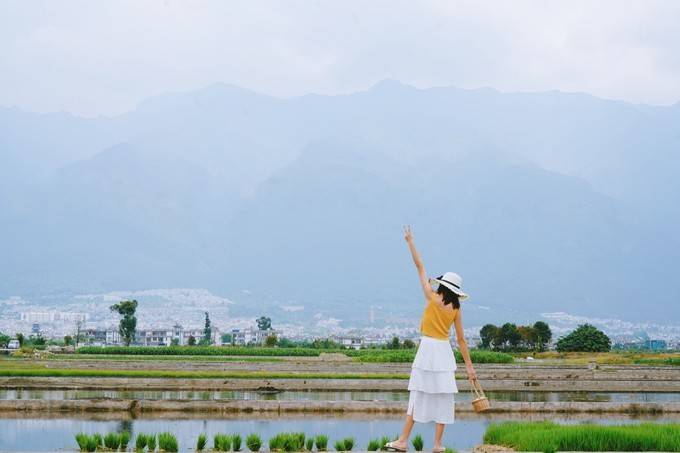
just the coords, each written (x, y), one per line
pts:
(406, 356)
(202, 351)
(606, 358)
(362, 355)
(548, 436)
(171, 374)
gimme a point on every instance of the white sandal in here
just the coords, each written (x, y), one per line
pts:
(391, 446)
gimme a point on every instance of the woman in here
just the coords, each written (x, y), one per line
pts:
(432, 384)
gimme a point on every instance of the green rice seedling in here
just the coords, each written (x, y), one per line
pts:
(309, 443)
(449, 450)
(221, 442)
(236, 442)
(321, 442)
(275, 443)
(383, 441)
(253, 442)
(418, 442)
(140, 442)
(201, 442)
(349, 443)
(373, 445)
(112, 441)
(93, 443)
(98, 439)
(124, 440)
(299, 440)
(291, 442)
(339, 445)
(81, 440)
(151, 442)
(167, 442)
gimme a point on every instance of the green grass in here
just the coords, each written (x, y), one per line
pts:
(201, 442)
(168, 442)
(407, 356)
(321, 442)
(417, 443)
(203, 350)
(172, 374)
(163, 358)
(548, 436)
(673, 361)
(254, 442)
(361, 355)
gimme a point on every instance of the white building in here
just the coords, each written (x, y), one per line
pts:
(243, 337)
(52, 316)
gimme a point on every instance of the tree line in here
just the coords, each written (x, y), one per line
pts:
(513, 338)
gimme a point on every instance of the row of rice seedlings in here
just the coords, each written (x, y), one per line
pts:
(549, 436)
(111, 441)
(147, 441)
(282, 442)
(224, 442)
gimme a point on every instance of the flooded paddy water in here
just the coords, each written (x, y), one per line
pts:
(57, 434)
(313, 395)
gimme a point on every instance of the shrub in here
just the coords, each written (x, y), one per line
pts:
(309, 444)
(418, 442)
(112, 441)
(124, 440)
(321, 442)
(167, 442)
(201, 442)
(236, 442)
(253, 442)
(373, 445)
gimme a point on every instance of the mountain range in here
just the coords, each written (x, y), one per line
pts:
(543, 202)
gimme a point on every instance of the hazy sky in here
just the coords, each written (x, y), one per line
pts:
(102, 57)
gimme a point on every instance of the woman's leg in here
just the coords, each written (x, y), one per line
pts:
(405, 432)
(438, 433)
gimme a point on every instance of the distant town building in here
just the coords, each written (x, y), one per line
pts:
(251, 336)
(52, 316)
(149, 337)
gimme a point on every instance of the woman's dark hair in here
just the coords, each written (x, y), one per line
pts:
(449, 296)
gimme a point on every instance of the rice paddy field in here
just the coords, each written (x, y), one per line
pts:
(46, 400)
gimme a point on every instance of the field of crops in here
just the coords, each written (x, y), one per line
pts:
(548, 436)
(362, 355)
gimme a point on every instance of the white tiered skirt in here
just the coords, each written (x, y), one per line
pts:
(433, 382)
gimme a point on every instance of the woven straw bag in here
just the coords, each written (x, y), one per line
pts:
(480, 403)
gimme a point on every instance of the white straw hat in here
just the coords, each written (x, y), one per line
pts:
(452, 281)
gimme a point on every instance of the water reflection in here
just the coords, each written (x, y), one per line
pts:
(395, 396)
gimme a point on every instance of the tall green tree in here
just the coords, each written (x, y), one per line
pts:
(487, 334)
(543, 335)
(510, 335)
(586, 338)
(264, 323)
(128, 321)
(4, 340)
(21, 338)
(207, 330)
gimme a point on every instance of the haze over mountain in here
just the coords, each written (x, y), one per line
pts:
(542, 201)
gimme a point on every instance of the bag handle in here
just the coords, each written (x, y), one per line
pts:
(477, 388)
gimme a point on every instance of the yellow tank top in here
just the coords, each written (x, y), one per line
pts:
(437, 321)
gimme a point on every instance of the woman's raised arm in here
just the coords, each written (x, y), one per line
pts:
(425, 283)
